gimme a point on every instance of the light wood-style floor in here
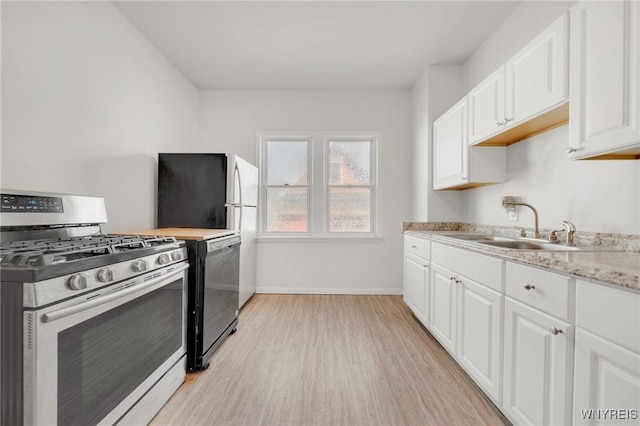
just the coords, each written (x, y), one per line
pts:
(329, 360)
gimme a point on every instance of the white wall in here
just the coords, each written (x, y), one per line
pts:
(598, 196)
(437, 89)
(230, 121)
(421, 170)
(87, 103)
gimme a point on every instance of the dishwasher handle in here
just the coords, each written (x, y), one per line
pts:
(217, 245)
(65, 312)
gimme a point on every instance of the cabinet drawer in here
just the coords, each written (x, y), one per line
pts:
(543, 290)
(482, 269)
(417, 246)
(610, 313)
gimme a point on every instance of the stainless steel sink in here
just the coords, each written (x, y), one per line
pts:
(520, 244)
(479, 237)
(529, 245)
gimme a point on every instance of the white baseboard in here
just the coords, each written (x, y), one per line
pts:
(307, 290)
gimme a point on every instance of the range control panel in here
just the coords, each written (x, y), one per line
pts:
(30, 204)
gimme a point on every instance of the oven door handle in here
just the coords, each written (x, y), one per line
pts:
(65, 312)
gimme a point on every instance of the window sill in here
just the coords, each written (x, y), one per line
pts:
(310, 239)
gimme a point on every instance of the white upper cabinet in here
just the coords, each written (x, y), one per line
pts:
(537, 77)
(456, 165)
(486, 107)
(525, 96)
(605, 80)
(450, 147)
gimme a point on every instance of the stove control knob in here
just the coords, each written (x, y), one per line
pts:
(105, 275)
(163, 259)
(176, 255)
(139, 266)
(77, 282)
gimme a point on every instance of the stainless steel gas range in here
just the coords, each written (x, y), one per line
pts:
(92, 326)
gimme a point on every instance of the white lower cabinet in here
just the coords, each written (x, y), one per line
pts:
(442, 309)
(538, 366)
(607, 382)
(416, 285)
(546, 348)
(466, 313)
(607, 356)
(479, 335)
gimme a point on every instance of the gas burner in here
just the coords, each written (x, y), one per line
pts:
(54, 251)
(55, 256)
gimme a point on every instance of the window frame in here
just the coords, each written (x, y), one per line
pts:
(317, 184)
(373, 183)
(264, 140)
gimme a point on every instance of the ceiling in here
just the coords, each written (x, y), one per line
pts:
(313, 44)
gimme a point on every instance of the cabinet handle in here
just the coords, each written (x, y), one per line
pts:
(414, 247)
(529, 287)
(499, 123)
(555, 330)
(506, 120)
(463, 178)
(571, 150)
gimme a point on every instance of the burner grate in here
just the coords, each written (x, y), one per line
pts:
(56, 251)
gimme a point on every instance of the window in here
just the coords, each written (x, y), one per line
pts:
(286, 185)
(318, 185)
(350, 190)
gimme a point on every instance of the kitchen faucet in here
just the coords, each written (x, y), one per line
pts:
(508, 200)
(569, 228)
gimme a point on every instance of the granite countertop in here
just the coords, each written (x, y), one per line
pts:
(620, 268)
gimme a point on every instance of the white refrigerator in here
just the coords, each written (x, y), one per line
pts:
(242, 208)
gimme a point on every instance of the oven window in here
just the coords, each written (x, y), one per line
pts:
(102, 360)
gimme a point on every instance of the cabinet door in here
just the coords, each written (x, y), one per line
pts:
(607, 376)
(416, 278)
(479, 335)
(442, 309)
(605, 78)
(450, 150)
(537, 366)
(486, 107)
(536, 77)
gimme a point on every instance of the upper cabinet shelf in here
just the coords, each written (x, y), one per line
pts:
(605, 80)
(525, 96)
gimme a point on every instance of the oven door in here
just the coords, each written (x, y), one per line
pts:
(89, 363)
